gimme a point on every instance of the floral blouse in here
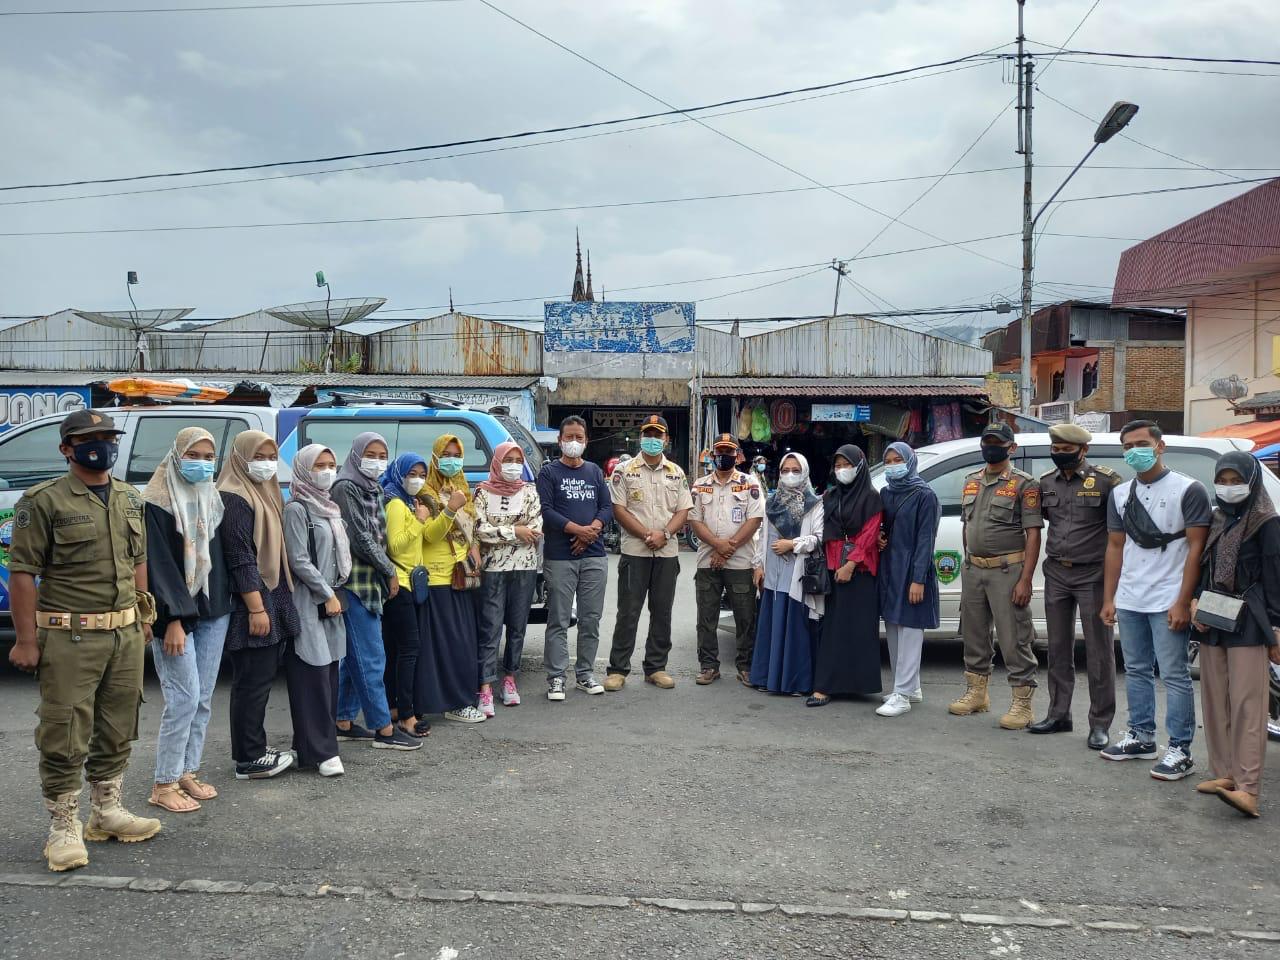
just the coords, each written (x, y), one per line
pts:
(496, 521)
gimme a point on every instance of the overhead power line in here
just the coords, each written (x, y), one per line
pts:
(1168, 57)
(495, 138)
(221, 7)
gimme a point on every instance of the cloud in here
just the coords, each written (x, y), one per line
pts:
(225, 74)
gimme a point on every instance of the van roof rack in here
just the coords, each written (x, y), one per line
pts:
(341, 399)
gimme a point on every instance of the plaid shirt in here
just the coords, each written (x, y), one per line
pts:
(366, 524)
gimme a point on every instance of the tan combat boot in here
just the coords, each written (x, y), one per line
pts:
(109, 819)
(975, 699)
(1019, 716)
(65, 847)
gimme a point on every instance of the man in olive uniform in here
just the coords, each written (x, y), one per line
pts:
(650, 502)
(82, 630)
(1001, 512)
(1074, 503)
(728, 508)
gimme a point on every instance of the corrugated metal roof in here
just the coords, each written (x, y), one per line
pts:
(66, 378)
(1174, 265)
(842, 387)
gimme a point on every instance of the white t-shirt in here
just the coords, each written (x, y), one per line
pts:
(1151, 580)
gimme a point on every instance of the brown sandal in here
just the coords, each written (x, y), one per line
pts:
(171, 797)
(196, 788)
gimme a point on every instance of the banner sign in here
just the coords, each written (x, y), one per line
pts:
(18, 405)
(618, 327)
(840, 412)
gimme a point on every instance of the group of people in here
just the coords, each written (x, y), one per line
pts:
(383, 589)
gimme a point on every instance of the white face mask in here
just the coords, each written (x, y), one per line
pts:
(846, 475)
(573, 449)
(511, 472)
(791, 479)
(373, 468)
(260, 471)
(1232, 493)
(324, 478)
(413, 485)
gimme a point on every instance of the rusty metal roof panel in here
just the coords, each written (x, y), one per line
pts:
(458, 344)
(65, 341)
(842, 387)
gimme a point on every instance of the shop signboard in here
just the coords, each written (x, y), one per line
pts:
(840, 412)
(18, 405)
(618, 419)
(618, 327)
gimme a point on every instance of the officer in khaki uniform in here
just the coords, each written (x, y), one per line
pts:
(1074, 503)
(1000, 507)
(728, 508)
(82, 630)
(651, 503)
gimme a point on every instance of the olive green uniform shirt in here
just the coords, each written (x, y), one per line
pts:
(998, 509)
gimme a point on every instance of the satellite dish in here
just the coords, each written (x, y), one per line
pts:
(325, 315)
(136, 320)
(1229, 388)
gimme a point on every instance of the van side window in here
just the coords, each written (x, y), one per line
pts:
(31, 457)
(949, 483)
(419, 436)
(1197, 464)
(153, 439)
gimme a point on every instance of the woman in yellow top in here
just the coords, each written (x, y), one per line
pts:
(448, 666)
(404, 616)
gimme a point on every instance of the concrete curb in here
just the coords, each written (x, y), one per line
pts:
(746, 908)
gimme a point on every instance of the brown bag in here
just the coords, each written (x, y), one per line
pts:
(466, 575)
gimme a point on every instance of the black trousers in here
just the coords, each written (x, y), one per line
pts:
(638, 578)
(710, 586)
(253, 671)
(404, 629)
(313, 706)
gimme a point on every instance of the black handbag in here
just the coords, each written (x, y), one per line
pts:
(816, 578)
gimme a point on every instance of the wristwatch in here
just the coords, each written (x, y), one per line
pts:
(666, 535)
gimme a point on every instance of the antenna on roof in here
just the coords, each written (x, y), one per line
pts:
(139, 321)
(327, 314)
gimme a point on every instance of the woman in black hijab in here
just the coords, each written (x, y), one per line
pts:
(848, 657)
(1241, 560)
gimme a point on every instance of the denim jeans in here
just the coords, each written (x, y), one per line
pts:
(187, 682)
(505, 598)
(1145, 639)
(586, 579)
(360, 672)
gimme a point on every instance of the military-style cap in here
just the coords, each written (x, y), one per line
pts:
(999, 429)
(84, 422)
(725, 441)
(653, 422)
(1070, 433)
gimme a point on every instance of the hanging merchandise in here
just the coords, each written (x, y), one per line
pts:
(760, 429)
(744, 422)
(942, 428)
(783, 415)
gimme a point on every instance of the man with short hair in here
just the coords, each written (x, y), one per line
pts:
(651, 503)
(728, 508)
(1157, 527)
(575, 510)
(82, 629)
(1073, 501)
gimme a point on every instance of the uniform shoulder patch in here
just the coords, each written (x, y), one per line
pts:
(22, 515)
(40, 487)
(1015, 472)
(1048, 474)
(1031, 498)
(1108, 473)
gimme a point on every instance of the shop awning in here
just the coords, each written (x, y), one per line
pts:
(1261, 432)
(842, 387)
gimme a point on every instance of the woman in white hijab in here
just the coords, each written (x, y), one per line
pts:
(188, 578)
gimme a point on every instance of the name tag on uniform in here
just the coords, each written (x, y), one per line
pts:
(739, 515)
(1088, 493)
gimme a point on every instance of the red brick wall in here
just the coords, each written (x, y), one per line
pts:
(1100, 400)
(1154, 377)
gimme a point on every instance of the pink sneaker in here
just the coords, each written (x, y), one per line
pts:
(486, 702)
(510, 695)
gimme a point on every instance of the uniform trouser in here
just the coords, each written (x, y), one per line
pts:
(253, 671)
(638, 577)
(710, 585)
(986, 599)
(1065, 590)
(1234, 689)
(586, 578)
(90, 692)
(504, 600)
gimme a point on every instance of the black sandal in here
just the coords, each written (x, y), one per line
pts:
(422, 729)
(817, 701)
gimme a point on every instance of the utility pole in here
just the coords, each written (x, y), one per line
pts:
(1026, 69)
(841, 267)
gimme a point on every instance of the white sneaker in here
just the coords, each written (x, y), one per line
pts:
(895, 706)
(915, 696)
(467, 714)
(332, 767)
(589, 685)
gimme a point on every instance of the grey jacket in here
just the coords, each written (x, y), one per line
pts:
(320, 642)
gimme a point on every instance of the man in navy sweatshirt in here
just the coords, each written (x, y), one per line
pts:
(576, 507)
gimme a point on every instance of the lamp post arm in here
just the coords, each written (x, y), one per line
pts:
(1074, 171)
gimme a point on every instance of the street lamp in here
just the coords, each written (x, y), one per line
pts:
(1117, 119)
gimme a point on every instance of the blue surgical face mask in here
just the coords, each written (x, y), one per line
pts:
(897, 471)
(1140, 459)
(450, 466)
(652, 445)
(197, 471)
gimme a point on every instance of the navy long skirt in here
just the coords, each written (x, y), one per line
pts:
(448, 672)
(785, 642)
(848, 660)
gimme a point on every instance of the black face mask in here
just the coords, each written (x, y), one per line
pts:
(725, 461)
(994, 454)
(96, 454)
(1066, 461)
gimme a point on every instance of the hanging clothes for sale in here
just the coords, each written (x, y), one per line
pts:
(761, 431)
(743, 426)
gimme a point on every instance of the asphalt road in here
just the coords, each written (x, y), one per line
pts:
(717, 804)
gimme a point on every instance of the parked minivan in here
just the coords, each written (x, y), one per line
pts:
(29, 453)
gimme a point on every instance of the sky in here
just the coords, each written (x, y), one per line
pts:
(111, 95)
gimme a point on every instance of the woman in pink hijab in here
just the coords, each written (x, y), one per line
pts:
(509, 531)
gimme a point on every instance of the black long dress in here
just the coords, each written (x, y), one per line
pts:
(848, 660)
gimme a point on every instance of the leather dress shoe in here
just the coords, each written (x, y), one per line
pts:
(1099, 737)
(1051, 725)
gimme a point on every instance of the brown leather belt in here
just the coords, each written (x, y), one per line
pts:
(1075, 563)
(1004, 560)
(111, 620)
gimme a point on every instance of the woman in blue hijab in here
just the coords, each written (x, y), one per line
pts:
(907, 582)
